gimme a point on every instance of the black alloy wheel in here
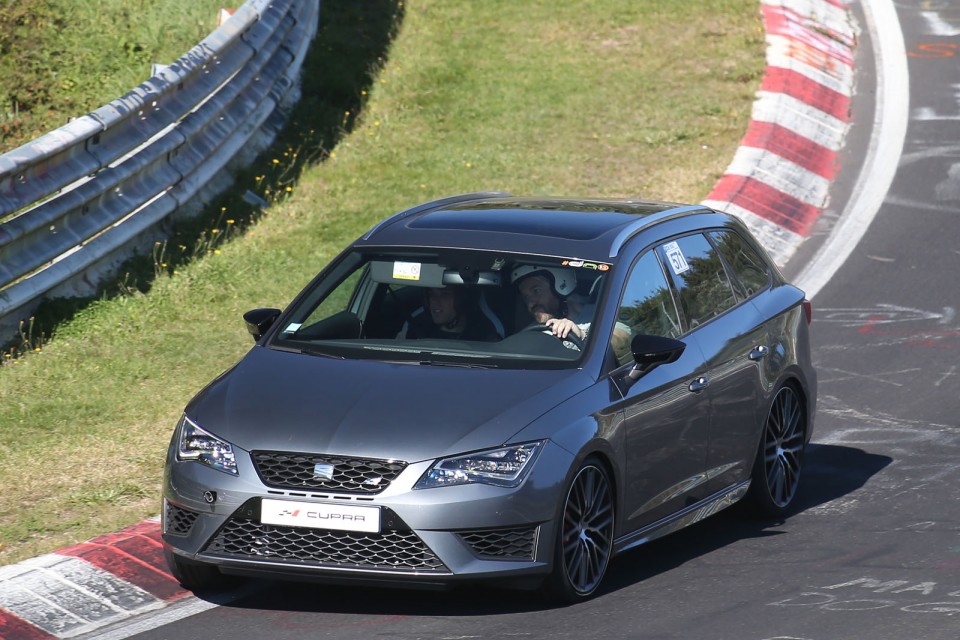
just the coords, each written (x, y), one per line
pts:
(585, 542)
(776, 472)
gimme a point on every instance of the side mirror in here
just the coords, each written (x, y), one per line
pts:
(652, 351)
(258, 321)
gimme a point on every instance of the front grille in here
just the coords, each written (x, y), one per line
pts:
(514, 544)
(394, 550)
(350, 475)
(178, 521)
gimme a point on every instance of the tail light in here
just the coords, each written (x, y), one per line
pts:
(808, 311)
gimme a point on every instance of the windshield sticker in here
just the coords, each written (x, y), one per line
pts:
(292, 327)
(406, 270)
(581, 264)
(677, 262)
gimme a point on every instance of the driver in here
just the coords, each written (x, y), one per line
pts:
(545, 292)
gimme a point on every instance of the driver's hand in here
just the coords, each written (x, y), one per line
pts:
(562, 327)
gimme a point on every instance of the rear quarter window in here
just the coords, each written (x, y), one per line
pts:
(751, 272)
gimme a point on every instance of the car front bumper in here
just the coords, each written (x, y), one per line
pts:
(427, 537)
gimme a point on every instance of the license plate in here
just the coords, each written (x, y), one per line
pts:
(320, 515)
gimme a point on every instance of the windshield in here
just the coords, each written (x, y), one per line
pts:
(459, 308)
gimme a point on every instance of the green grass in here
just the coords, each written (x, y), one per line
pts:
(64, 58)
(640, 98)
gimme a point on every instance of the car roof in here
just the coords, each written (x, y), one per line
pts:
(592, 229)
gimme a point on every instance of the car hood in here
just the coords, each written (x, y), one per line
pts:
(282, 401)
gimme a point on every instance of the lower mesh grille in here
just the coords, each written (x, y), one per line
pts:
(394, 550)
(515, 544)
(178, 521)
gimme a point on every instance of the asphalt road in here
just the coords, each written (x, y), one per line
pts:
(874, 549)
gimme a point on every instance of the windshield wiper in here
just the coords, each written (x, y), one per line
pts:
(319, 353)
(447, 363)
(277, 347)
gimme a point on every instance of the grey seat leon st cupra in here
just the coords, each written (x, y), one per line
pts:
(488, 387)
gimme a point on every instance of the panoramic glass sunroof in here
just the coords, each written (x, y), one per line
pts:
(558, 223)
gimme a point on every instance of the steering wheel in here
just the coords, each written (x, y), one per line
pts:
(539, 327)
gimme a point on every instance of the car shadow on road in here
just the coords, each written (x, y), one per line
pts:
(831, 472)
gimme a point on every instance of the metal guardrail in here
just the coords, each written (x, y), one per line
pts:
(75, 202)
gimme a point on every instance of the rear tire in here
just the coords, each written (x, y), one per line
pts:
(779, 462)
(584, 541)
(193, 575)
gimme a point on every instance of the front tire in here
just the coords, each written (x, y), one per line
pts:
(779, 462)
(584, 542)
(193, 575)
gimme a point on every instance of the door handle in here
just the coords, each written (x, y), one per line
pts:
(699, 384)
(759, 353)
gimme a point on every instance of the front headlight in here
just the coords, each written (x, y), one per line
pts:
(502, 467)
(193, 443)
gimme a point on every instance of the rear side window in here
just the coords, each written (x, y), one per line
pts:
(751, 273)
(698, 274)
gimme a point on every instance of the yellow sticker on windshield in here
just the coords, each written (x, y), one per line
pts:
(406, 270)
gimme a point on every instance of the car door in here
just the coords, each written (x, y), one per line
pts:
(665, 422)
(732, 338)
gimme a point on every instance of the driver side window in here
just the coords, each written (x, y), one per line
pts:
(646, 306)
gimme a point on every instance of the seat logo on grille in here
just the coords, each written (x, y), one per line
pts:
(323, 471)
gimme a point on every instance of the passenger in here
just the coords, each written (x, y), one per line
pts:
(545, 292)
(449, 314)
